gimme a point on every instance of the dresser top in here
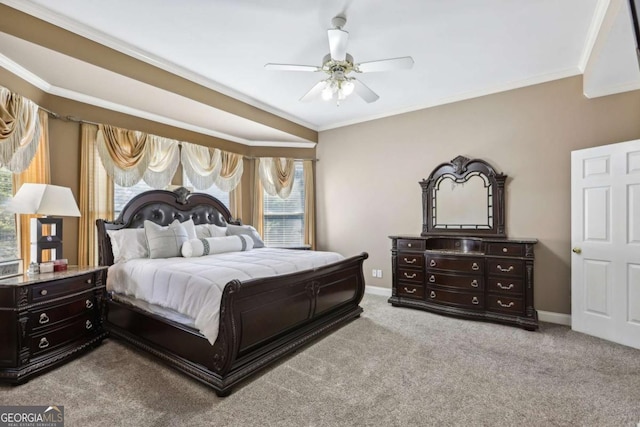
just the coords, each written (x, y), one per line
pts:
(30, 279)
(525, 240)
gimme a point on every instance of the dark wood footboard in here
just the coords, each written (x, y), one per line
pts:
(261, 321)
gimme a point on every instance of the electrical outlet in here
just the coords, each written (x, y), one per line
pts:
(380, 274)
(374, 272)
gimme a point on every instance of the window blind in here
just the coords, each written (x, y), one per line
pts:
(284, 218)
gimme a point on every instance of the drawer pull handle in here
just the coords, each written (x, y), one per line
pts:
(506, 288)
(88, 303)
(89, 281)
(43, 343)
(505, 270)
(432, 278)
(413, 261)
(410, 277)
(43, 319)
(475, 266)
(88, 324)
(432, 263)
(475, 301)
(505, 250)
(511, 304)
(432, 294)
(44, 292)
(474, 283)
(410, 291)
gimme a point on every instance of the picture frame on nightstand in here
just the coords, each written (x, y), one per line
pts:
(10, 268)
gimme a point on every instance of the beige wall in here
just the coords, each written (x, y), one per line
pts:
(368, 174)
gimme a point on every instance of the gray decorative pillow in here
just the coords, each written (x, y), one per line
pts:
(165, 242)
(235, 230)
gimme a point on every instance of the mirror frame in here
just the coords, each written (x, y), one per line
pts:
(460, 168)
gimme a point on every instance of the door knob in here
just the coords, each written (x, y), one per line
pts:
(576, 250)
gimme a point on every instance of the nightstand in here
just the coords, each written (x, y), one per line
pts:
(47, 319)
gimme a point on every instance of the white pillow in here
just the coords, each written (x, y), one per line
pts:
(190, 228)
(234, 230)
(204, 231)
(128, 243)
(165, 242)
(216, 245)
(217, 231)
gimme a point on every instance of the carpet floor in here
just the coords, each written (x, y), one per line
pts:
(391, 367)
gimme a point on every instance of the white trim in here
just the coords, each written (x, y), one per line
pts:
(570, 72)
(121, 46)
(28, 76)
(376, 290)
(627, 87)
(557, 318)
(592, 33)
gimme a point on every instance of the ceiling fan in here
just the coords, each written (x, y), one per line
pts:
(339, 65)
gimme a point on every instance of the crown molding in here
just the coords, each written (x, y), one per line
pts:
(592, 34)
(570, 72)
(121, 46)
(626, 87)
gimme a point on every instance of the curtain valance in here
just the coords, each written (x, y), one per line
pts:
(19, 130)
(277, 175)
(230, 172)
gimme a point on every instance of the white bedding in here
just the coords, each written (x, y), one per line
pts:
(193, 286)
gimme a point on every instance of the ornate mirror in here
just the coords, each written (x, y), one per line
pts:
(465, 196)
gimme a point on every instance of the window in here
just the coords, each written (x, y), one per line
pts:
(122, 195)
(214, 191)
(8, 235)
(284, 219)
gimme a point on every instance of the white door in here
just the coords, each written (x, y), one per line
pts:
(605, 237)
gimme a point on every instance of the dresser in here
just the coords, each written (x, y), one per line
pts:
(472, 277)
(463, 263)
(48, 319)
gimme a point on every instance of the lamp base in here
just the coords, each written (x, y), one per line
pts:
(46, 239)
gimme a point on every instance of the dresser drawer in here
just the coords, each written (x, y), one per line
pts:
(505, 285)
(410, 260)
(49, 316)
(410, 275)
(505, 304)
(507, 267)
(411, 244)
(462, 282)
(460, 264)
(462, 299)
(49, 340)
(505, 249)
(57, 288)
(410, 290)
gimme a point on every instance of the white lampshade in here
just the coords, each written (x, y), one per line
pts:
(44, 199)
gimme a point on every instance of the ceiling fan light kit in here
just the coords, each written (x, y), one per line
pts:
(338, 64)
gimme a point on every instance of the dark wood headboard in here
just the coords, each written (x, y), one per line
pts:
(162, 207)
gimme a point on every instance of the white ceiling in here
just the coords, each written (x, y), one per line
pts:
(462, 49)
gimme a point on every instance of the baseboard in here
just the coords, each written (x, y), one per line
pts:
(543, 316)
(376, 290)
(557, 318)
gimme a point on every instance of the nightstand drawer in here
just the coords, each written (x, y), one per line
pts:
(43, 342)
(54, 289)
(46, 317)
(411, 244)
(406, 260)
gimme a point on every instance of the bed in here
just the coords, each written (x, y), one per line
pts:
(261, 320)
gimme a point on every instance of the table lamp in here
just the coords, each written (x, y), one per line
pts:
(45, 199)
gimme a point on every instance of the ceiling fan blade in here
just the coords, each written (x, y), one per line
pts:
(291, 67)
(314, 92)
(404, 62)
(338, 44)
(364, 92)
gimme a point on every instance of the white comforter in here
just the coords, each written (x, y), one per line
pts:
(193, 286)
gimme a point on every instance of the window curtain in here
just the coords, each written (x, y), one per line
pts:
(277, 175)
(309, 205)
(231, 168)
(19, 130)
(201, 164)
(164, 156)
(37, 172)
(96, 196)
(258, 199)
(123, 154)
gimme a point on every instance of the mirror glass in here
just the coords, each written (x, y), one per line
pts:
(463, 203)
